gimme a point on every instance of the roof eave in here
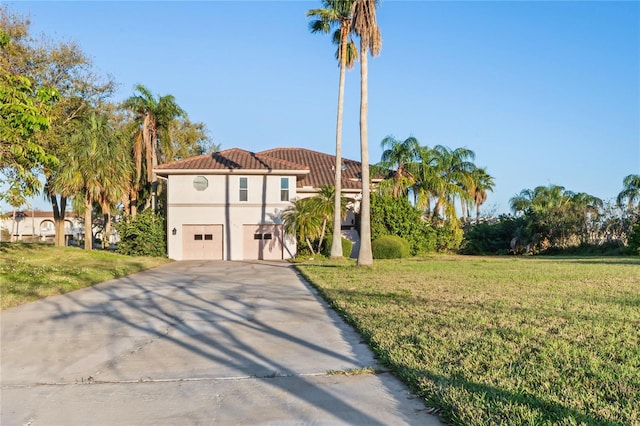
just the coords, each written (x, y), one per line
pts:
(167, 172)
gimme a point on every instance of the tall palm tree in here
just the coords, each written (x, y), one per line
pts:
(443, 176)
(116, 184)
(399, 156)
(153, 117)
(521, 202)
(631, 191)
(541, 198)
(337, 13)
(426, 177)
(95, 167)
(586, 209)
(481, 183)
(366, 27)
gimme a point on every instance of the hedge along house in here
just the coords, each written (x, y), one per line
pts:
(228, 205)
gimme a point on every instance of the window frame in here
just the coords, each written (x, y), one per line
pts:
(284, 189)
(243, 192)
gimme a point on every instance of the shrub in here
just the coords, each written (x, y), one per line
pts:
(346, 246)
(143, 236)
(390, 247)
(448, 236)
(398, 217)
(492, 238)
(633, 247)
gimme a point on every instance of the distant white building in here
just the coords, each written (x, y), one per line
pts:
(37, 225)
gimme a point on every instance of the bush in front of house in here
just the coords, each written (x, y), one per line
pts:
(398, 217)
(346, 246)
(142, 236)
(390, 247)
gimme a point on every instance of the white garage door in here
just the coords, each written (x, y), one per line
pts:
(262, 242)
(202, 242)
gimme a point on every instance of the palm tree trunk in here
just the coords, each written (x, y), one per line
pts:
(310, 246)
(59, 211)
(365, 256)
(133, 197)
(336, 243)
(324, 229)
(88, 232)
(436, 208)
(107, 231)
(154, 164)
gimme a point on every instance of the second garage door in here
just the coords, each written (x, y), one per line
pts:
(202, 242)
(262, 242)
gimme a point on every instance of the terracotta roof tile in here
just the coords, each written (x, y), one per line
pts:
(231, 159)
(321, 167)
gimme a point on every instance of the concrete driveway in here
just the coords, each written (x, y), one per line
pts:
(193, 343)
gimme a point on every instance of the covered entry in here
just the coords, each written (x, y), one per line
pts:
(201, 242)
(262, 242)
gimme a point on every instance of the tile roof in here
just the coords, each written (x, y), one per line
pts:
(321, 167)
(232, 159)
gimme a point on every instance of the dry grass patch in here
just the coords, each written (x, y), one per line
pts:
(501, 340)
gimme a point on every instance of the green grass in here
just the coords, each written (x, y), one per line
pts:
(30, 272)
(534, 341)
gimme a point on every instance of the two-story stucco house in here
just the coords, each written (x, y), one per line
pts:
(228, 205)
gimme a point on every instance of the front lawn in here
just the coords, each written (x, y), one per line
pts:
(30, 272)
(501, 340)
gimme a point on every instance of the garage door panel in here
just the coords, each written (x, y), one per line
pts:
(263, 242)
(202, 242)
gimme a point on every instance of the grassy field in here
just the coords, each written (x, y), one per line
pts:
(30, 272)
(486, 341)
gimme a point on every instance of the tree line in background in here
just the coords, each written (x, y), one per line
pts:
(418, 191)
(417, 200)
(551, 219)
(59, 126)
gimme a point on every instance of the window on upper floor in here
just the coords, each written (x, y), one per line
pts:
(284, 189)
(244, 189)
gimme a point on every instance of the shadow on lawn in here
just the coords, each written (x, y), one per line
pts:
(546, 412)
(595, 260)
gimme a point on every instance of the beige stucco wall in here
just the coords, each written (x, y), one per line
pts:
(187, 206)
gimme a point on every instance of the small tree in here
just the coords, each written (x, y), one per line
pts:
(302, 221)
(143, 235)
(323, 205)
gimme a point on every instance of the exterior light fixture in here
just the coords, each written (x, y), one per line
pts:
(174, 231)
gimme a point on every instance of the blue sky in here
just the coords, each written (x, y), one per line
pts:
(543, 92)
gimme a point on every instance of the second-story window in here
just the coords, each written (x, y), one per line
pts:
(284, 189)
(244, 189)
